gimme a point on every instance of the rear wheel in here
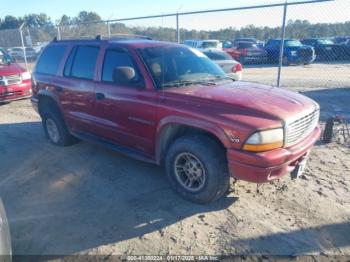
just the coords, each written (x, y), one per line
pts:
(197, 169)
(56, 130)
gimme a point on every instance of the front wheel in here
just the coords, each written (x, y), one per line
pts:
(285, 61)
(197, 169)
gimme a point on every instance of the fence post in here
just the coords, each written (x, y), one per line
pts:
(58, 29)
(177, 29)
(58, 32)
(109, 29)
(283, 36)
(23, 46)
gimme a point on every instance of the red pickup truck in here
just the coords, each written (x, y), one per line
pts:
(170, 105)
(15, 81)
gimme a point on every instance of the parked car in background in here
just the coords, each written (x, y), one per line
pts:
(294, 52)
(5, 238)
(247, 52)
(18, 53)
(171, 105)
(15, 81)
(340, 39)
(248, 39)
(204, 44)
(325, 49)
(346, 48)
(230, 66)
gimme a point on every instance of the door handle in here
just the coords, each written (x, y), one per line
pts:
(100, 96)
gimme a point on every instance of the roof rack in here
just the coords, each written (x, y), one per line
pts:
(122, 36)
(102, 37)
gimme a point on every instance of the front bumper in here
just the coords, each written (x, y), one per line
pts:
(268, 166)
(35, 103)
(301, 59)
(15, 92)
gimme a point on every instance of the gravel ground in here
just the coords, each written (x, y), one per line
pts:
(85, 199)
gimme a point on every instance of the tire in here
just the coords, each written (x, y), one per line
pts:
(215, 178)
(53, 123)
(285, 61)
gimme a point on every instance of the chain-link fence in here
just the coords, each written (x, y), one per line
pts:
(315, 51)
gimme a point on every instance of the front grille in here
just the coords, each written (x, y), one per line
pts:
(300, 128)
(11, 80)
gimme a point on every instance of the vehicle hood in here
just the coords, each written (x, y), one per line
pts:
(10, 69)
(246, 102)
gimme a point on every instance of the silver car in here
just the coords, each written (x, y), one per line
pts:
(230, 66)
(5, 240)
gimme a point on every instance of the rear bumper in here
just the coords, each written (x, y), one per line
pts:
(268, 166)
(15, 92)
(236, 76)
(256, 59)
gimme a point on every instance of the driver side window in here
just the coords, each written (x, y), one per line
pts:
(119, 68)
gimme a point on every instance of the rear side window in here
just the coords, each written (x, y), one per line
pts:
(115, 58)
(50, 60)
(81, 62)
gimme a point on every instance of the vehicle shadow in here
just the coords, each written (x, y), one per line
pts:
(61, 201)
(333, 101)
(299, 242)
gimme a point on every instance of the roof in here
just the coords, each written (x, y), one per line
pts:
(133, 42)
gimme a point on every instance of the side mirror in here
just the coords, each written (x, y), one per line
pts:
(125, 75)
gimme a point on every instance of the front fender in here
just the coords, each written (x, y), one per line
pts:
(211, 128)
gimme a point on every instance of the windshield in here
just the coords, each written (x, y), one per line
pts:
(244, 45)
(218, 55)
(292, 43)
(178, 66)
(207, 45)
(325, 42)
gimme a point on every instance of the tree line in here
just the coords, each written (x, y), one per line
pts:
(41, 28)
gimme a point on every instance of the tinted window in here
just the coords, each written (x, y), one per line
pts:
(50, 59)
(84, 62)
(114, 59)
(246, 45)
(273, 43)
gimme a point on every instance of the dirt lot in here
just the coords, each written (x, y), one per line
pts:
(85, 199)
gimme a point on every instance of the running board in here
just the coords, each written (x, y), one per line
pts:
(118, 148)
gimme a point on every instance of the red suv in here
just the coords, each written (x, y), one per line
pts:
(15, 81)
(170, 105)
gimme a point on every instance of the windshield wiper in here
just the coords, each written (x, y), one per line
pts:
(219, 78)
(180, 83)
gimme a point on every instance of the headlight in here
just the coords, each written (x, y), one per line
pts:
(26, 76)
(265, 140)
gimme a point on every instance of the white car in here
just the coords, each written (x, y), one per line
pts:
(5, 240)
(18, 53)
(230, 66)
(204, 44)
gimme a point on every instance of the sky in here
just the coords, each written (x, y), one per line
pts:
(336, 11)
